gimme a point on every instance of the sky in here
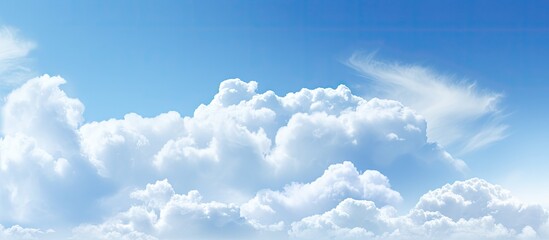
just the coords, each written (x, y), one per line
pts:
(274, 120)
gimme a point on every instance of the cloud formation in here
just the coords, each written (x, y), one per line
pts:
(247, 165)
(272, 209)
(163, 214)
(40, 160)
(471, 209)
(459, 115)
(242, 134)
(339, 209)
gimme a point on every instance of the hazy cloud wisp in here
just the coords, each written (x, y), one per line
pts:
(460, 116)
(13, 53)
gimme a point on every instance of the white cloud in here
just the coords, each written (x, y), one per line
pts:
(13, 51)
(240, 135)
(459, 115)
(24, 167)
(272, 209)
(118, 148)
(340, 207)
(229, 150)
(38, 122)
(476, 198)
(17, 232)
(41, 110)
(108, 231)
(472, 209)
(350, 219)
(163, 214)
(40, 158)
(245, 135)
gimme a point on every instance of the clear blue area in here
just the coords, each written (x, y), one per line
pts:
(150, 57)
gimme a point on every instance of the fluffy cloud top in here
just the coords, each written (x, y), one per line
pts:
(268, 215)
(475, 199)
(350, 219)
(271, 209)
(459, 115)
(332, 207)
(41, 110)
(472, 209)
(245, 135)
(40, 159)
(164, 214)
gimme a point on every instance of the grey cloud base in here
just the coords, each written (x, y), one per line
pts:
(251, 165)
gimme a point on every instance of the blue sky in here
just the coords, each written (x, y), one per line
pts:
(151, 57)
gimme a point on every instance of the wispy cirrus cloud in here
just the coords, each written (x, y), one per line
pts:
(458, 114)
(13, 52)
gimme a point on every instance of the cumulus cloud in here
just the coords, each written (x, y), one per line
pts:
(350, 219)
(341, 204)
(163, 214)
(116, 146)
(459, 115)
(17, 232)
(242, 134)
(24, 167)
(472, 209)
(13, 53)
(41, 110)
(39, 154)
(35, 124)
(478, 199)
(55, 167)
(272, 209)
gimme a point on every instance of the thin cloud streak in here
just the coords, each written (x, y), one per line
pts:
(13, 57)
(459, 116)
